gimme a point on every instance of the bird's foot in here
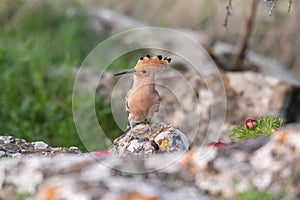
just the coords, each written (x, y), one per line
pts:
(149, 126)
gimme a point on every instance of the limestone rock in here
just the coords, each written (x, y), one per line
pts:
(256, 95)
(40, 145)
(82, 177)
(271, 167)
(146, 140)
(16, 147)
(277, 163)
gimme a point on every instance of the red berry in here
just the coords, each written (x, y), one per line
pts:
(250, 123)
(217, 144)
(212, 144)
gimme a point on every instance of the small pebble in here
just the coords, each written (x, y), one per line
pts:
(40, 145)
(8, 139)
(73, 149)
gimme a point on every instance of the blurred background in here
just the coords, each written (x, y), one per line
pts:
(43, 42)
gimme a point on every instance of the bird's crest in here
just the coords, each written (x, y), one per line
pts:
(154, 60)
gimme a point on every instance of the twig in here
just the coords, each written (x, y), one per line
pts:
(272, 7)
(242, 44)
(290, 5)
(228, 13)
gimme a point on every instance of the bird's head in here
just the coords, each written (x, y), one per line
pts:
(147, 66)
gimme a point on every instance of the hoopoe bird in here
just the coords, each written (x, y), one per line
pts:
(142, 100)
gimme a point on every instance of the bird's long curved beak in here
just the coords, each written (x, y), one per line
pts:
(125, 72)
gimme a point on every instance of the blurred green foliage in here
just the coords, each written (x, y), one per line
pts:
(255, 194)
(40, 43)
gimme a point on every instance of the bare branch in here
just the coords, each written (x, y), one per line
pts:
(272, 7)
(242, 44)
(228, 13)
(290, 5)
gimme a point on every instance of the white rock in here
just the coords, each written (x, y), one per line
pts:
(133, 146)
(40, 145)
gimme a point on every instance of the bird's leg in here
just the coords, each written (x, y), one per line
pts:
(149, 125)
(131, 133)
(150, 128)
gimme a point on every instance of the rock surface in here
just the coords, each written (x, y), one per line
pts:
(255, 95)
(78, 177)
(146, 140)
(12, 147)
(266, 164)
(273, 167)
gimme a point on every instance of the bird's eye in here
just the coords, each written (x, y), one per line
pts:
(144, 71)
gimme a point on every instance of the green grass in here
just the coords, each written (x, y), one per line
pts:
(40, 43)
(255, 194)
(38, 48)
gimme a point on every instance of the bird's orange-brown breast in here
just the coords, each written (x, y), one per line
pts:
(141, 102)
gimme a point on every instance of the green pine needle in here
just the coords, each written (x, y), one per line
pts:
(263, 127)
